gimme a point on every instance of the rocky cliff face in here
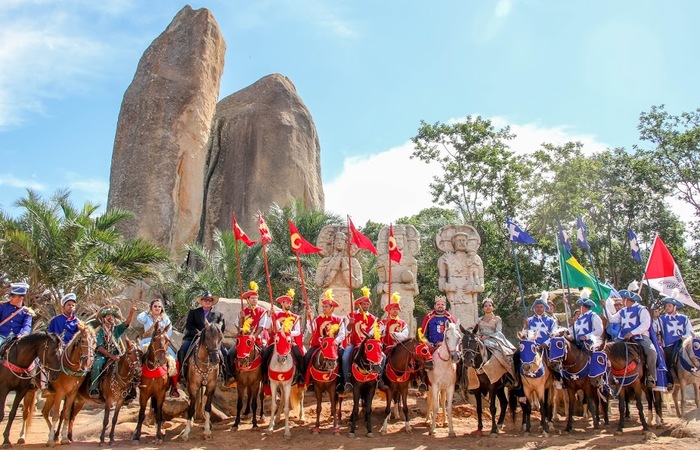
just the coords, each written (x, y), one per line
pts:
(263, 149)
(164, 122)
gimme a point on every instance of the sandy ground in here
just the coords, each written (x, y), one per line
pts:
(89, 422)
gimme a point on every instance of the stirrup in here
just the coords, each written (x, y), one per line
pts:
(422, 387)
(348, 389)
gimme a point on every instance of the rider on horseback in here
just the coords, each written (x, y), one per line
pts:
(392, 327)
(65, 324)
(433, 328)
(278, 319)
(489, 330)
(322, 326)
(259, 321)
(635, 322)
(361, 322)
(587, 330)
(15, 316)
(674, 328)
(107, 338)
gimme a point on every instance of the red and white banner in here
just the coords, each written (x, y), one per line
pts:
(664, 275)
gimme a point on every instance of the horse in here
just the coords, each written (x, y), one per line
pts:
(536, 379)
(323, 369)
(475, 354)
(627, 366)
(76, 363)
(17, 371)
(403, 359)
(687, 372)
(202, 372)
(443, 376)
(574, 365)
(364, 372)
(248, 378)
(154, 382)
(281, 375)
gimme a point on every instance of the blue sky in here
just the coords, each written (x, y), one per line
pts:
(368, 71)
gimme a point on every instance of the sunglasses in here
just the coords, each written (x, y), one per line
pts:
(208, 300)
(157, 306)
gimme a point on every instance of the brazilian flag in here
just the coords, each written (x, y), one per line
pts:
(575, 276)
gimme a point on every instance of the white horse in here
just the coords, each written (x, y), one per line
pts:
(281, 374)
(443, 376)
(687, 372)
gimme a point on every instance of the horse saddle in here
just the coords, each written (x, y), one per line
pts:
(5, 347)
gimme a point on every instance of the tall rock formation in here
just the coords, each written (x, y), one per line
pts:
(263, 149)
(160, 146)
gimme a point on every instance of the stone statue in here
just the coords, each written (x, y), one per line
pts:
(334, 270)
(403, 274)
(460, 271)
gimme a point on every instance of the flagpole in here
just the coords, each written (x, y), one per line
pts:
(564, 275)
(644, 277)
(597, 283)
(349, 266)
(520, 283)
(303, 286)
(388, 255)
(269, 286)
(238, 264)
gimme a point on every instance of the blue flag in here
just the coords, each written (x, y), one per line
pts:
(517, 234)
(581, 233)
(634, 246)
(564, 238)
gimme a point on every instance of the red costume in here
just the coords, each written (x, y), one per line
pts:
(362, 326)
(392, 326)
(258, 315)
(278, 325)
(321, 328)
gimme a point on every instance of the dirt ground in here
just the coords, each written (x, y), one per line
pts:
(89, 423)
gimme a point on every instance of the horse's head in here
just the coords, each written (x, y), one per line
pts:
(598, 367)
(328, 350)
(558, 350)
(51, 354)
(283, 345)
(245, 346)
(211, 340)
(471, 349)
(369, 355)
(158, 348)
(133, 357)
(529, 354)
(453, 341)
(695, 346)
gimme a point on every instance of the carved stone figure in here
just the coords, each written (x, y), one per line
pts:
(334, 269)
(460, 271)
(403, 274)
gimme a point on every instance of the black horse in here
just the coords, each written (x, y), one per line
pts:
(472, 351)
(366, 365)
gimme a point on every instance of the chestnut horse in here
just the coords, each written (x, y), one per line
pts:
(202, 372)
(323, 369)
(248, 378)
(154, 381)
(403, 360)
(76, 363)
(19, 367)
(537, 380)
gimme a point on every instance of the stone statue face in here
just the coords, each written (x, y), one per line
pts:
(340, 241)
(459, 242)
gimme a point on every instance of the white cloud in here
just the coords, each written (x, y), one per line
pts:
(13, 181)
(503, 8)
(389, 185)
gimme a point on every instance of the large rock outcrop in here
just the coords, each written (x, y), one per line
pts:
(263, 149)
(160, 146)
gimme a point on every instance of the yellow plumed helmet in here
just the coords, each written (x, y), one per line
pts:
(288, 323)
(329, 294)
(291, 293)
(253, 290)
(365, 291)
(393, 302)
(333, 330)
(254, 286)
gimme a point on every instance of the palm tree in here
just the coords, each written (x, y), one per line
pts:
(58, 248)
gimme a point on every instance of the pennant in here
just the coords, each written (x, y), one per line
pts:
(581, 233)
(299, 244)
(239, 234)
(517, 234)
(360, 240)
(634, 246)
(265, 236)
(564, 238)
(394, 253)
(577, 277)
(663, 274)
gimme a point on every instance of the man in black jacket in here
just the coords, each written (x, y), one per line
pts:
(196, 320)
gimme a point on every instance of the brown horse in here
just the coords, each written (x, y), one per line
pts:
(19, 368)
(324, 372)
(75, 365)
(249, 376)
(403, 359)
(202, 372)
(118, 380)
(154, 382)
(627, 366)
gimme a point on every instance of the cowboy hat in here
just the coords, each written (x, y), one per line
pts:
(207, 294)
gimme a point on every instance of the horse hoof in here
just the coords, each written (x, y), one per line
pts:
(618, 433)
(20, 441)
(526, 433)
(493, 435)
(351, 435)
(207, 436)
(649, 436)
(63, 442)
(288, 436)
(7, 445)
(545, 434)
(135, 442)
(477, 433)
(101, 444)
(452, 434)
(316, 431)
(234, 427)
(185, 438)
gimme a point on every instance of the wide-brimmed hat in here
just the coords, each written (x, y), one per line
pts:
(68, 298)
(19, 288)
(585, 299)
(207, 294)
(394, 302)
(628, 295)
(253, 290)
(365, 296)
(109, 310)
(329, 300)
(289, 297)
(542, 301)
(675, 302)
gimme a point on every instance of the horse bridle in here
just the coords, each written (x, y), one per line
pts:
(84, 358)
(134, 371)
(152, 349)
(449, 352)
(209, 365)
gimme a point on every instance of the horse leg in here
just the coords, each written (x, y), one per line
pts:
(592, 402)
(50, 411)
(658, 408)
(27, 414)
(355, 409)
(239, 407)
(207, 408)
(319, 399)
(157, 405)
(387, 410)
(436, 403)
(287, 394)
(13, 412)
(143, 402)
(448, 411)
(193, 392)
(527, 411)
(678, 388)
(404, 407)
(492, 410)
(368, 408)
(570, 397)
(640, 407)
(503, 400)
(73, 410)
(545, 412)
(479, 413)
(273, 405)
(253, 393)
(117, 408)
(333, 394)
(105, 422)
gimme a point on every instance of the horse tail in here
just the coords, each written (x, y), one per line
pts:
(29, 404)
(295, 397)
(513, 402)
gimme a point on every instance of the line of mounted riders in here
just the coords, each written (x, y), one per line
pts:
(354, 355)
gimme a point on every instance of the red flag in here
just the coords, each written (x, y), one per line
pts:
(359, 239)
(664, 275)
(239, 234)
(394, 252)
(265, 236)
(299, 244)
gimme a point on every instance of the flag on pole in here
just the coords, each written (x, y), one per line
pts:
(394, 252)
(299, 244)
(564, 238)
(265, 236)
(662, 273)
(359, 239)
(517, 234)
(240, 235)
(581, 233)
(577, 277)
(634, 246)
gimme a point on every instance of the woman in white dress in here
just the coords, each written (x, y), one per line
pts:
(489, 328)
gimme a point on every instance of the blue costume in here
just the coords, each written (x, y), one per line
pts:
(434, 326)
(544, 325)
(674, 328)
(19, 325)
(64, 324)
